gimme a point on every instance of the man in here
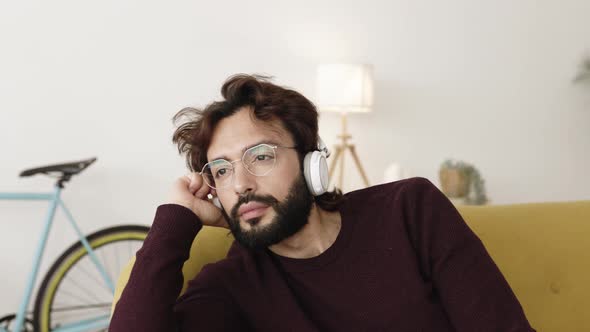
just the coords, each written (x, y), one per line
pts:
(393, 257)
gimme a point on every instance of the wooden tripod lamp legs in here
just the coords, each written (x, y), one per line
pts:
(339, 156)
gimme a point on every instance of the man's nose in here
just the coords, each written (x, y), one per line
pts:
(244, 181)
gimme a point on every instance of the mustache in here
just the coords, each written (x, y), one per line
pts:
(264, 199)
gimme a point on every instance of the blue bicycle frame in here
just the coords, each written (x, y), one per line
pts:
(55, 202)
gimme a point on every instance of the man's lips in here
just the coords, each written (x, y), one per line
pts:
(254, 213)
(252, 210)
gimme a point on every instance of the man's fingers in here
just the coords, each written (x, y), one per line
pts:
(202, 191)
(195, 182)
(182, 182)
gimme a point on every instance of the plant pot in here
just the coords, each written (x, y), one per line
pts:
(454, 182)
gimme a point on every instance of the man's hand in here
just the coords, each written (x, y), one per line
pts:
(191, 192)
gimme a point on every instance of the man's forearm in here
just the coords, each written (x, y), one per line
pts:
(156, 280)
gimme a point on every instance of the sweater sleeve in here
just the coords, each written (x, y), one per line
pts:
(148, 302)
(473, 291)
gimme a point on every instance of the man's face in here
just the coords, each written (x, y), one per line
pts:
(281, 199)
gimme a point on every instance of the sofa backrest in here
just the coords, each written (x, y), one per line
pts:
(543, 250)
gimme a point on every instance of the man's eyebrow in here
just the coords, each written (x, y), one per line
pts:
(264, 141)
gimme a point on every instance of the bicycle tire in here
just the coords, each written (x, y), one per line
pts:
(48, 313)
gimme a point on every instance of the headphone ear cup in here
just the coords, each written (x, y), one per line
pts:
(315, 171)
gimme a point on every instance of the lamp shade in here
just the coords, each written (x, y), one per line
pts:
(345, 88)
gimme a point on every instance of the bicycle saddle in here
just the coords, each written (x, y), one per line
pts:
(67, 169)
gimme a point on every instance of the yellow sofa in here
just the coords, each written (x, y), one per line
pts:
(543, 250)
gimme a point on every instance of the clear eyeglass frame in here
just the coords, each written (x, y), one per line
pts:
(226, 184)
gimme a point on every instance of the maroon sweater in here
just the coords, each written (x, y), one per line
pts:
(404, 260)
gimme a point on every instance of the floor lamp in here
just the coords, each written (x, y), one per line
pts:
(345, 88)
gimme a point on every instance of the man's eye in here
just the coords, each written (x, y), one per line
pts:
(262, 157)
(220, 172)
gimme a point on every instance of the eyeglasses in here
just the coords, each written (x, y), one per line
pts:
(258, 160)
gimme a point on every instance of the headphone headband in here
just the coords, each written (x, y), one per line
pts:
(322, 147)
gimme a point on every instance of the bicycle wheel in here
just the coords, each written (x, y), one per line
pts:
(73, 290)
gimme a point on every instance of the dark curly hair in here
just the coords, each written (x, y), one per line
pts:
(298, 115)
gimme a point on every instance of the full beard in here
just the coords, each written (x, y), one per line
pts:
(291, 215)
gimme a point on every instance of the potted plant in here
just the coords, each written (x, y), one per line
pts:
(462, 180)
(454, 178)
(584, 73)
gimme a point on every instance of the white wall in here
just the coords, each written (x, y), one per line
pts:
(487, 82)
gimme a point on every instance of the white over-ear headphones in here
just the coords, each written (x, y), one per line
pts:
(315, 169)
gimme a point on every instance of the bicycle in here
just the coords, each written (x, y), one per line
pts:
(86, 267)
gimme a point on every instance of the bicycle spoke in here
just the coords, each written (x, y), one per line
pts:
(96, 278)
(106, 268)
(72, 296)
(80, 307)
(118, 265)
(82, 288)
